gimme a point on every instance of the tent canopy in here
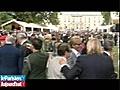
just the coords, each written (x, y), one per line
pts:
(105, 27)
(24, 24)
(29, 25)
(52, 27)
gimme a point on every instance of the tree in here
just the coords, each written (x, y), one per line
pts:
(38, 17)
(107, 17)
(24, 16)
(4, 17)
(53, 18)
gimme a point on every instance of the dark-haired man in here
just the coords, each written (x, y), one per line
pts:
(38, 61)
(108, 48)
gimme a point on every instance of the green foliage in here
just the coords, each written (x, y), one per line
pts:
(52, 18)
(23, 16)
(4, 17)
(8, 27)
(115, 61)
(31, 17)
(38, 17)
(107, 17)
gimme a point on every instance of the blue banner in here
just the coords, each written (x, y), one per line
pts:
(12, 78)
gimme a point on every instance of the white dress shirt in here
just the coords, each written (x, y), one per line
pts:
(54, 68)
(76, 52)
(107, 53)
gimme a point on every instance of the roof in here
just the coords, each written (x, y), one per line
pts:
(35, 25)
(18, 22)
(24, 24)
(7, 22)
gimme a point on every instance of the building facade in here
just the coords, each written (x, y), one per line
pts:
(115, 17)
(80, 20)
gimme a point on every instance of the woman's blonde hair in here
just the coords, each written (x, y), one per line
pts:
(94, 46)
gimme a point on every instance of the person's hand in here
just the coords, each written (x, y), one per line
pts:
(62, 62)
(29, 46)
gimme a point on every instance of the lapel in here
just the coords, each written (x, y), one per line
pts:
(73, 55)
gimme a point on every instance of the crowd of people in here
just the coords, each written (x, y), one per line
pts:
(58, 55)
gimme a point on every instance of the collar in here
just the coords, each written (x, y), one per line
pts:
(75, 52)
(63, 58)
(23, 41)
(107, 53)
(8, 42)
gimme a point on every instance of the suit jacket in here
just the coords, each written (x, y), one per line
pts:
(72, 59)
(91, 67)
(25, 51)
(54, 68)
(11, 62)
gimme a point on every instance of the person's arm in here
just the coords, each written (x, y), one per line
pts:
(26, 69)
(72, 73)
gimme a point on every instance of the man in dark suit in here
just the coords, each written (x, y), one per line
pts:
(23, 41)
(11, 62)
(94, 65)
(108, 48)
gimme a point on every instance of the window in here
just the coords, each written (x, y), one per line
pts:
(73, 19)
(89, 25)
(64, 19)
(99, 19)
(85, 19)
(65, 26)
(28, 29)
(89, 20)
(80, 19)
(104, 30)
(68, 19)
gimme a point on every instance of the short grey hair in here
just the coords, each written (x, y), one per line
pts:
(21, 36)
(10, 39)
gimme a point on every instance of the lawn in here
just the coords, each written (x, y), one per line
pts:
(116, 59)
